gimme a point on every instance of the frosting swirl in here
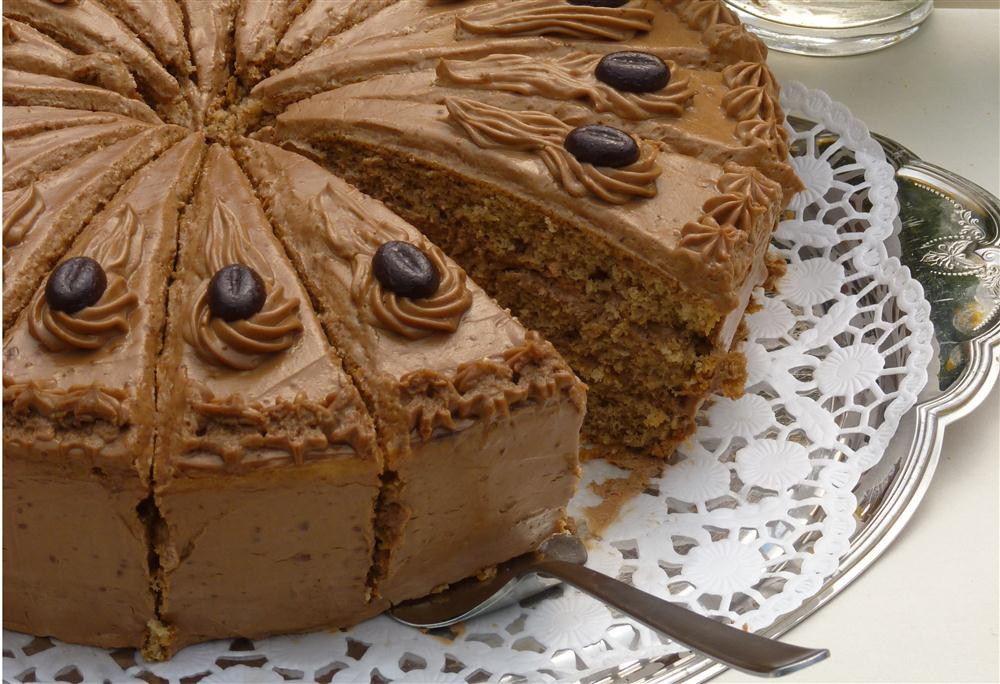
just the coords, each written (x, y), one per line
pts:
(771, 133)
(731, 209)
(21, 215)
(712, 240)
(414, 318)
(743, 181)
(570, 77)
(557, 18)
(701, 14)
(94, 326)
(491, 127)
(750, 74)
(750, 102)
(356, 241)
(242, 344)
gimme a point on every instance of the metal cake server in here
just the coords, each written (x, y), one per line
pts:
(561, 558)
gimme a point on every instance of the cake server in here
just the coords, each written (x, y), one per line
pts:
(561, 558)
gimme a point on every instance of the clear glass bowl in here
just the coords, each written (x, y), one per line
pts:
(831, 28)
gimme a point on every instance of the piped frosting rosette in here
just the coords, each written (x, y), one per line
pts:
(92, 327)
(240, 344)
(358, 239)
(414, 318)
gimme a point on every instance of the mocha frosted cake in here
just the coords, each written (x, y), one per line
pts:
(262, 262)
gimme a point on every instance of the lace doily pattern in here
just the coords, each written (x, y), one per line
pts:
(746, 526)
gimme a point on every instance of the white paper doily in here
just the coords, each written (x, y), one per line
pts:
(754, 516)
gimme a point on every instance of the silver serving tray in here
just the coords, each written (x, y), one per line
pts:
(949, 237)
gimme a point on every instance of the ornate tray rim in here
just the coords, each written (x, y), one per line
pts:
(921, 433)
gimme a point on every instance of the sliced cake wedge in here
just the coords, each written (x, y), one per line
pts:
(263, 442)
(78, 419)
(479, 419)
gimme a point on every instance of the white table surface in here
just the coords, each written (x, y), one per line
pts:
(927, 611)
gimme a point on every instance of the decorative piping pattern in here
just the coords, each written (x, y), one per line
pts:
(728, 218)
(94, 326)
(357, 242)
(242, 344)
(77, 405)
(488, 389)
(570, 77)
(21, 215)
(557, 18)
(542, 133)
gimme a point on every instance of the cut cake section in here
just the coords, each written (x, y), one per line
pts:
(28, 157)
(42, 218)
(639, 275)
(78, 425)
(478, 418)
(263, 445)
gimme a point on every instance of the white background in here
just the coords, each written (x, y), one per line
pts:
(927, 611)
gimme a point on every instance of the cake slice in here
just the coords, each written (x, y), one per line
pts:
(210, 34)
(636, 262)
(86, 27)
(78, 420)
(161, 25)
(26, 158)
(20, 122)
(263, 443)
(259, 27)
(319, 21)
(41, 218)
(24, 88)
(479, 419)
(27, 49)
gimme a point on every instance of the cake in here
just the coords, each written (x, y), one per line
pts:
(289, 286)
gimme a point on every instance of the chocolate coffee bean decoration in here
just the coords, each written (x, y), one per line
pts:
(75, 284)
(236, 293)
(403, 269)
(602, 146)
(633, 72)
(598, 3)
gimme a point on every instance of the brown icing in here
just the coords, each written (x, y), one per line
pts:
(241, 344)
(86, 26)
(23, 88)
(94, 326)
(568, 77)
(29, 157)
(357, 242)
(729, 219)
(22, 213)
(702, 14)
(78, 404)
(543, 133)
(27, 49)
(161, 25)
(557, 18)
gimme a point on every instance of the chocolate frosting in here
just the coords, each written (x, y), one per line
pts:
(543, 133)
(23, 88)
(567, 77)
(357, 242)
(94, 326)
(29, 157)
(85, 26)
(22, 213)
(27, 49)
(558, 18)
(132, 239)
(241, 344)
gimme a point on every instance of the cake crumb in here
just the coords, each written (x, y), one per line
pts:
(616, 492)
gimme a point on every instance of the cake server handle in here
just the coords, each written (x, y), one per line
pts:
(744, 651)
